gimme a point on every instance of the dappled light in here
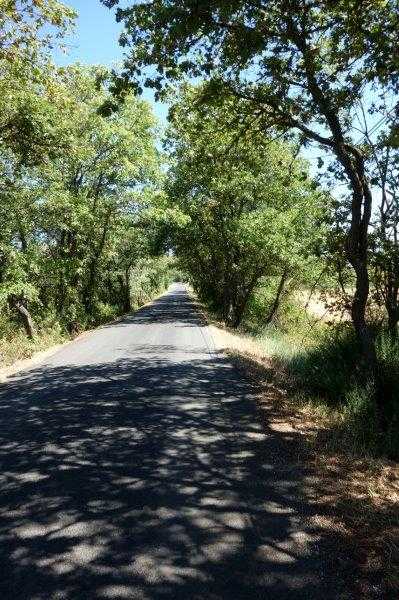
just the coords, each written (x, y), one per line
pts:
(235, 436)
(151, 476)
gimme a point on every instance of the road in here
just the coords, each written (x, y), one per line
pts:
(134, 464)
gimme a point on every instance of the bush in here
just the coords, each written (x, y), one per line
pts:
(104, 312)
(329, 367)
(330, 371)
(388, 361)
(322, 363)
(360, 417)
(150, 277)
(16, 346)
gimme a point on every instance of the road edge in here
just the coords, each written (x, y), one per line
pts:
(38, 357)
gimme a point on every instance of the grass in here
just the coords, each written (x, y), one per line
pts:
(357, 490)
(17, 346)
(319, 363)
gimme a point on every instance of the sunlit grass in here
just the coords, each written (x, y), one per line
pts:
(18, 347)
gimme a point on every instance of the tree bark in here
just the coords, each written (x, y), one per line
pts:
(25, 315)
(277, 299)
(392, 308)
(393, 325)
(125, 291)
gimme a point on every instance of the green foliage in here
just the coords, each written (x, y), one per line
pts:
(150, 277)
(14, 344)
(230, 37)
(314, 69)
(75, 183)
(248, 208)
(324, 366)
(360, 418)
(329, 367)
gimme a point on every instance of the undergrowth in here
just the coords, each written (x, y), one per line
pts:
(16, 346)
(148, 279)
(321, 366)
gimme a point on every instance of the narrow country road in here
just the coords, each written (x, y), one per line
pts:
(134, 465)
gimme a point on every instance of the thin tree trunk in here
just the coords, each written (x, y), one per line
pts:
(125, 291)
(128, 301)
(393, 326)
(277, 299)
(393, 318)
(26, 318)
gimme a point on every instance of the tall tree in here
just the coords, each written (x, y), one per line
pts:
(69, 220)
(248, 208)
(301, 65)
(30, 132)
(90, 191)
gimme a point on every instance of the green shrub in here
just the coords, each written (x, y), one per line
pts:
(104, 312)
(360, 417)
(329, 367)
(388, 361)
(16, 346)
(323, 364)
(150, 277)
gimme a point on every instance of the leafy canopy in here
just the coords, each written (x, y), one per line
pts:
(249, 209)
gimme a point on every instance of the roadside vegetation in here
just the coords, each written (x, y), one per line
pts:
(280, 84)
(92, 210)
(259, 238)
(283, 185)
(76, 180)
(314, 359)
(277, 189)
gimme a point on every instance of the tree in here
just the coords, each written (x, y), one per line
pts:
(249, 209)
(301, 65)
(69, 233)
(94, 191)
(29, 130)
(385, 236)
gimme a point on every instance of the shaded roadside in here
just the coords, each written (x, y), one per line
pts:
(354, 497)
(142, 470)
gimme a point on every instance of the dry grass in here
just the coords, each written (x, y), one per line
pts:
(357, 496)
(19, 347)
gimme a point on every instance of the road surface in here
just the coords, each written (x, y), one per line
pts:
(134, 465)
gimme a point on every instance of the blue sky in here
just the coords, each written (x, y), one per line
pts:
(95, 41)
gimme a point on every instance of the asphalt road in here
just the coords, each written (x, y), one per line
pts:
(134, 465)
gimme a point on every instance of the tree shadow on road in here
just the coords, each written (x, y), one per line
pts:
(169, 308)
(150, 478)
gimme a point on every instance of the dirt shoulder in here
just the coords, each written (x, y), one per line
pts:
(355, 497)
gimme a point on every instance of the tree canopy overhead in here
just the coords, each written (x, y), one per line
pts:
(29, 26)
(249, 209)
(345, 37)
(302, 66)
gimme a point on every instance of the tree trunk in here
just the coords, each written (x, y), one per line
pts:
(235, 316)
(125, 291)
(352, 160)
(393, 318)
(27, 320)
(239, 304)
(277, 299)
(393, 326)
